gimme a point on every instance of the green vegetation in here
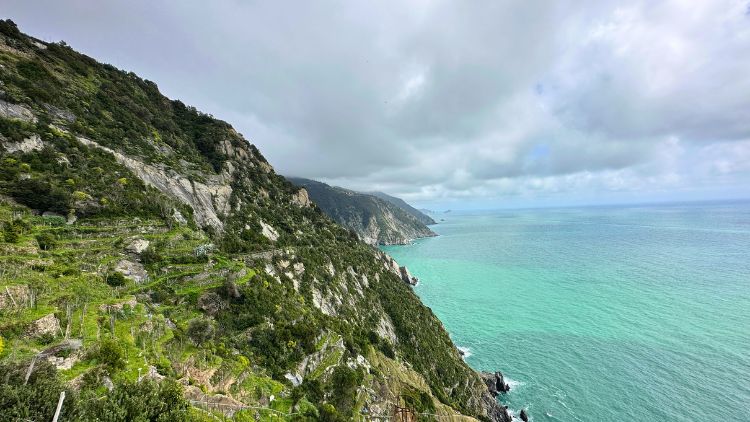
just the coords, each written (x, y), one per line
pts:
(284, 323)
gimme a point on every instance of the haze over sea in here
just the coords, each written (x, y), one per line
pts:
(599, 313)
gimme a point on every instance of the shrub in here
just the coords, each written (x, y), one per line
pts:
(37, 399)
(150, 256)
(137, 401)
(200, 330)
(46, 241)
(115, 279)
(110, 353)
(10, 234)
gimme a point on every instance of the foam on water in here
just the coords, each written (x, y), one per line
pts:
(466, 351)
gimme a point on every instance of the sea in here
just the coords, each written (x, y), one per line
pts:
(608, 313)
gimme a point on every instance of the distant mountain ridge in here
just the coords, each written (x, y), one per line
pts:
(419, 215)
(377, 218)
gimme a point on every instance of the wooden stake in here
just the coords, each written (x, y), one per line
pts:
(59, 406)
(69, 317)
(83, 315)
(28, 371)
(10, 296)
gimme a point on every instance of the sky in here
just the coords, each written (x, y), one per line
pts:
(452, 104)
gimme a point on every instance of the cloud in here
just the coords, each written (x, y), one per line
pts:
(444, 101)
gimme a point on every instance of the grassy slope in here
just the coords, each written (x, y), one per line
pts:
(226, 321)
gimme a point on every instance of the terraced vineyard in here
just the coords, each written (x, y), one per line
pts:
(154, 267)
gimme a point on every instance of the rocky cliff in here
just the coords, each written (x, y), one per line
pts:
(375, 220)
(419, 215)
(185, 271)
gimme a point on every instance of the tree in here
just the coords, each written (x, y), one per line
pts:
(200, 330)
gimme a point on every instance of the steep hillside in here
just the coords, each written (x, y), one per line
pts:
(375, 220)
(154, 266)
(419, 215)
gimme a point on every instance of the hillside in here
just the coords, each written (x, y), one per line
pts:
(155, 267)
(375, 220)
(419, 215)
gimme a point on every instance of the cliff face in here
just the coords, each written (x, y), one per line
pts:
(375, 220)
(419, 215)
(165, 230)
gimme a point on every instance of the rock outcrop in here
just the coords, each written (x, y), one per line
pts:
(207, 199)
(15, 296)
(16, 112)
(132, 270)
(495, 382)
(401, 271)
(32, 143)
(46, 325)
(137, 246)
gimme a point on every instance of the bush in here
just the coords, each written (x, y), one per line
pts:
(46, 241)
(110, 353)
(115, 279)
(37, 400)
(200, 330)
(150, 256)
(10, 234)
(137, 401)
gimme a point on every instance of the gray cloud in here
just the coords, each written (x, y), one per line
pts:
(449, 101)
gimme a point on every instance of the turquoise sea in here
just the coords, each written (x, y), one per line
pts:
(599, 313)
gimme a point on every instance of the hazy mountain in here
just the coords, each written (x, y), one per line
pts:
(374, 219)
(419, 215)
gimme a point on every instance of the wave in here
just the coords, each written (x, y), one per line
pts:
(513, 384)
(465, 351)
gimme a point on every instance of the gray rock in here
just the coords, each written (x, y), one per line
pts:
(524, 415)
(16, 112)
(495, 382)
(47, 324)
(208, 199)
(32, 143)
(132, 270)
(107, 381)
(137, 246)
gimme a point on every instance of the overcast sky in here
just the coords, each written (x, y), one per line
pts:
(452, 104)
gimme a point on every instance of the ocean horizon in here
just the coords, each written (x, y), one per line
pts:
(599, 312)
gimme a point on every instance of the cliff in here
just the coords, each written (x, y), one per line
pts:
(419, 215)
(373, 219)
(155, 266)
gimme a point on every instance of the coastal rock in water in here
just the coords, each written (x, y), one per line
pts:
(407, 277)
(401, 271)
(495, 382)
(524, 416)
